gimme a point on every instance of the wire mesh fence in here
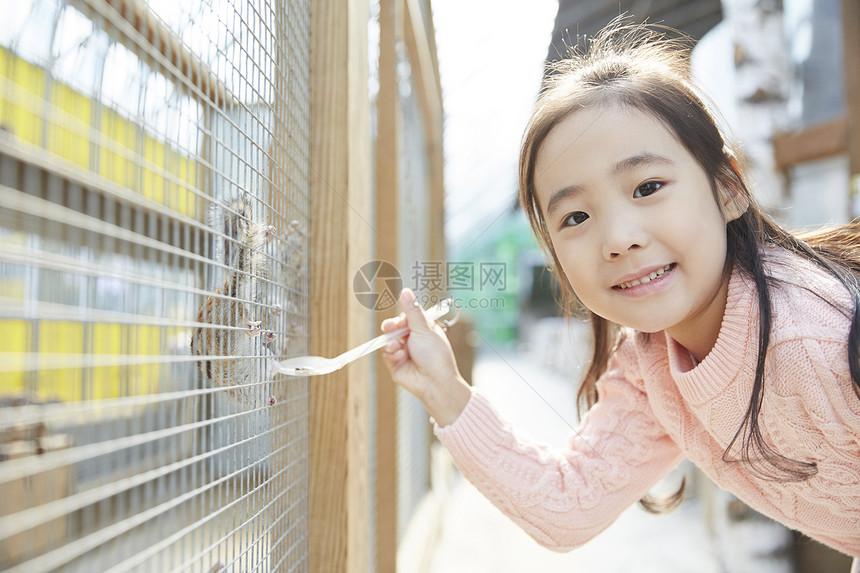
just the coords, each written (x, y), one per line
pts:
(413, 432)
(153, 248)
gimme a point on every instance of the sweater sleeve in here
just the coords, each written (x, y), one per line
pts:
(563, 497)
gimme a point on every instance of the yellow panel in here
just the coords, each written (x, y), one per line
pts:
(27, 86)
(153, 176)
(70, 141)
(185, 198)
(14, 341)
(150, 343)
(163, 161)
(118, 139)
(67, 338)
(107, 339)
(12, 287)
(120, 143)
(59, 337)
(22, 89)
(108, 161)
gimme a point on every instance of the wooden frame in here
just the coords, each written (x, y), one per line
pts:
(851, 53)
(389, 126)
(815, 142)
(340, 242)
(421, 43)
(841, 135)
(401, 23)
(127, 17)
(344, 227)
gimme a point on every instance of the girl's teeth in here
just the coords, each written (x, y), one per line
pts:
(645, 279)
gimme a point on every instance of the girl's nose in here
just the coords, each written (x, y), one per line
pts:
(621, 237)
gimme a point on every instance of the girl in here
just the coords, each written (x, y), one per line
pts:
(717, 335)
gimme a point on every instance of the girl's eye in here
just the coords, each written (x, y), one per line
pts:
(646, 189)
(574, 219)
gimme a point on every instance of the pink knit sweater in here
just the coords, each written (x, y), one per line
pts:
(656, 406)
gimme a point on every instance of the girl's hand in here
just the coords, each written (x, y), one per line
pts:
(423, 363)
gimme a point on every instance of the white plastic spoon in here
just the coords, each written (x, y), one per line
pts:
(317, 365)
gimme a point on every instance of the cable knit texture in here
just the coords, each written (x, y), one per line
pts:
(656, 406)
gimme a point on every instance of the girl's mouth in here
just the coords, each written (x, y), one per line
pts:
(646, 279)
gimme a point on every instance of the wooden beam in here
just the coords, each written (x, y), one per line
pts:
(389, 127)
(851, 53)
(816, 142)
(341, 231)
(132, 22)
(436, 158)
(424, 73)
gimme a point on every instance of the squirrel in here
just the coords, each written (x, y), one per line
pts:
(234, 350)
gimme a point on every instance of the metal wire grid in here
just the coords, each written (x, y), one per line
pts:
(413, 435)
(148, 152)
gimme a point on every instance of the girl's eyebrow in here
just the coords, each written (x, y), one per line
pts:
(627, 164)
(639, 160)
(559, 196)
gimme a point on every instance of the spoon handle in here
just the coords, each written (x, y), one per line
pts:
(368, 347)
(434, 313)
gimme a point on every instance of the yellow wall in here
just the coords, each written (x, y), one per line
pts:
(63, 123)
(60, 345)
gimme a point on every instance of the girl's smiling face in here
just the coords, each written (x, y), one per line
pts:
(634, 223)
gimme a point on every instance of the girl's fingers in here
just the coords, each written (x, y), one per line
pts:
(394, 346)
(413, 311)
(394, 358)
(392, 324)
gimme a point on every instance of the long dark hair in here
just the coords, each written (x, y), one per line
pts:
(638, 66)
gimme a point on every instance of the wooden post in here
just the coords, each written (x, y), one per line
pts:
(425, 73)
(851, 52)
(389, 126)
(341, 231)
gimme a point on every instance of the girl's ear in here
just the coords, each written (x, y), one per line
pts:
(733, 202)
(732, 195)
